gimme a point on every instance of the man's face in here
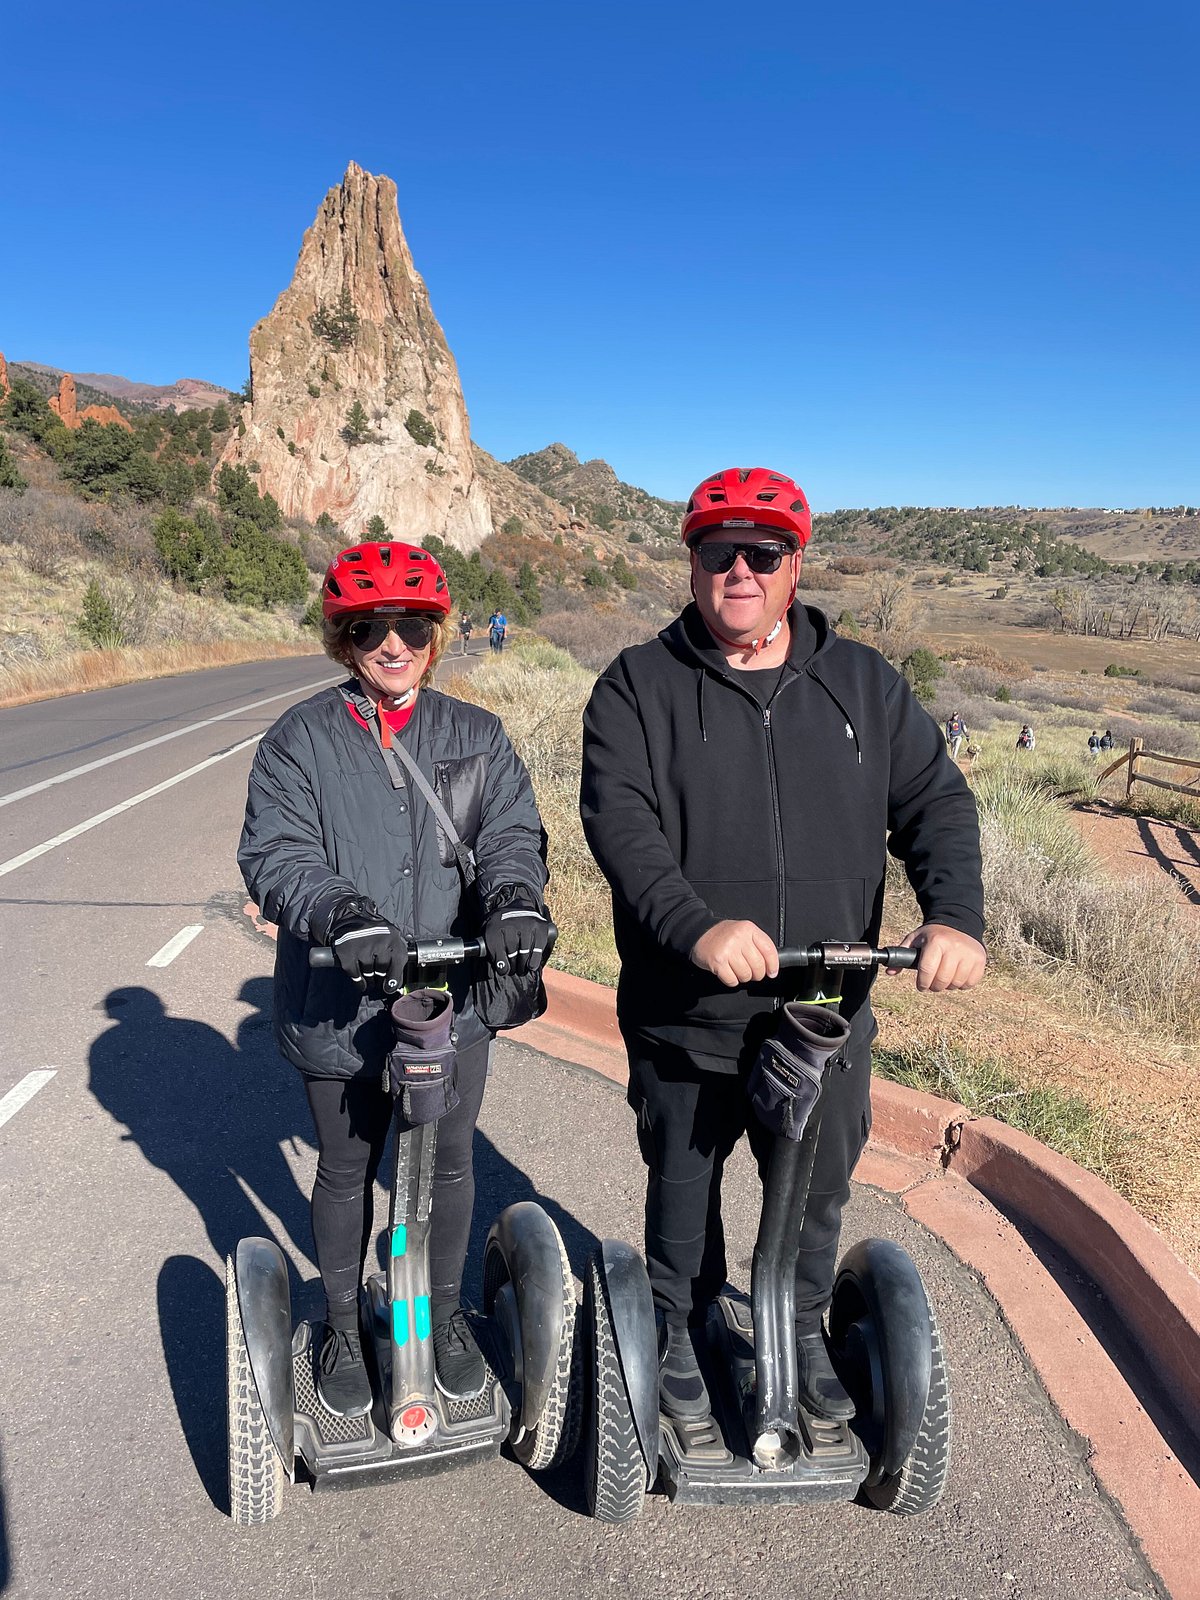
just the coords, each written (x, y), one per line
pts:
(740, 603)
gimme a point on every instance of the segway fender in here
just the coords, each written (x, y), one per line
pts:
(264, 1301)
(888, 1280)
(530, 1247)
(632, 1310)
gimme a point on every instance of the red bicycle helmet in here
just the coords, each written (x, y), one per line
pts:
(369, 577)
(749, 497)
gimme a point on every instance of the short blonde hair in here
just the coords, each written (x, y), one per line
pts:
(335, 636)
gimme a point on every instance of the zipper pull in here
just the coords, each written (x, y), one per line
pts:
(766, 716)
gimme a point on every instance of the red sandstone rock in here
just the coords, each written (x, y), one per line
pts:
(63, 403)
(5, 386)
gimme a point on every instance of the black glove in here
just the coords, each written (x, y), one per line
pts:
(518, 938)
(367, 946)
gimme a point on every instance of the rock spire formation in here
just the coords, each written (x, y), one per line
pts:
(356, 405)
(64, 406)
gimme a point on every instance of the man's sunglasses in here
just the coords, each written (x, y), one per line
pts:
(717, 556)
(368, 633)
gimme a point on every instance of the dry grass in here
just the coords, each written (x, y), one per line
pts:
(75, 672)
(539, 693)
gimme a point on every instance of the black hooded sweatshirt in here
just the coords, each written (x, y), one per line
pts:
(702, 803)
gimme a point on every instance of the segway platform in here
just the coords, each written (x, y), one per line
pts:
(828, 1467)
(339, 1452)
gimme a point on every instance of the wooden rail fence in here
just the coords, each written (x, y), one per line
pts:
(1137, 753)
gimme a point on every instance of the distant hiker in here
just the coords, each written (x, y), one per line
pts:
(497, 630)
(1106, 742)
(1094, 745)
(464, 632)
(1025, 739)
(956, 732)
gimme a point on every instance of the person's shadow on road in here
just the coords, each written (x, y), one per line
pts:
(214, 1118)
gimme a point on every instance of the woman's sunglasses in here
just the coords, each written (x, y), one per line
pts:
(368, 633)
(717, 556)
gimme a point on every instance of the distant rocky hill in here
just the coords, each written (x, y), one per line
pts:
(592, 491)
(105, 389)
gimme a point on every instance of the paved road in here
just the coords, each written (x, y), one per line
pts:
(169, 1129)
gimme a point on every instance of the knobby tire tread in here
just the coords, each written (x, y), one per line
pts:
(616, 1469)
(921, 1480)
(256, 1474)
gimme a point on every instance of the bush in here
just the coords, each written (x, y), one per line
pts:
(421, 430)
(594, 576)
(98, 621)
(10, 476)
(1114, 670)
(191, 553)
(1003, 694)
(622, 572)
(635, 536)
(377, 529)
(512, 526)
(337, 325)
(922, 668)
(104, 461)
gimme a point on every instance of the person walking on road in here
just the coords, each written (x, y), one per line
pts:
(956, 732)
(1094, 745)
(497, 630)
(465, 628)
(744, 776)
(1025, 739)
(1106, 739)
(340, 850)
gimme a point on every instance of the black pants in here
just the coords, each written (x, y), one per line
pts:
(352, 1118)
(688, 1123)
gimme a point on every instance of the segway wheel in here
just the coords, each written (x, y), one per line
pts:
(554, 1435)
(921, 1480)
(885, 1340)
(256, 1473)
(616, 1471)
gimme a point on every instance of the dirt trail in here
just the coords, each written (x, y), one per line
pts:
(1150, 1088)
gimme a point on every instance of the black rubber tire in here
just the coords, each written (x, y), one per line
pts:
(921, 1480)
(554, 1436)
(615, 1469)
(257, 1476)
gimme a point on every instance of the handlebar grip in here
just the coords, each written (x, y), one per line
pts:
(899, 956)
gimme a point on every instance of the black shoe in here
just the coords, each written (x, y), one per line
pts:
(821, 1390)
(461, 1369)
(682, 1393)
(343, 1386)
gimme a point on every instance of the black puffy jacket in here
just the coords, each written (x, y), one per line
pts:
(700, 805)
(323, 822)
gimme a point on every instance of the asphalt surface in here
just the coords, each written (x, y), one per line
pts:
(170, 1129)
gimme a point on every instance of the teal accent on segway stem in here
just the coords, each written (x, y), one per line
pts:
(421, 1318)
(399, 1239)
(400, 1322)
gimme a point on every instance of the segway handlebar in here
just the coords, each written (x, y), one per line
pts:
(832, 954)
(446, 952)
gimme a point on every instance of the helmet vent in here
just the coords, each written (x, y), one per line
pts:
(413, 581)
(767, 494)
(364, 583)
(351, 555)
(744, 473)
(439, 586)
(331, 584)
(385, 554)
(418, 555)
(799, 505)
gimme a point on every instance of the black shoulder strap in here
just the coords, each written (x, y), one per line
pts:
(369, 711)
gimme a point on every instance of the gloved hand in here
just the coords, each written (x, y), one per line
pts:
(518, 938)
(366, 946)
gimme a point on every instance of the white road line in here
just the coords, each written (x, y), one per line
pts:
(148, 744)
(126, 805)
(24, 1092)
(173, 947)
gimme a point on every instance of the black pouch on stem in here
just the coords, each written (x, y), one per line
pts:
(421, 1064)
(785, 1079)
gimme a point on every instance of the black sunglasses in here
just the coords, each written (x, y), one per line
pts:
(368, 633)
(718, 556)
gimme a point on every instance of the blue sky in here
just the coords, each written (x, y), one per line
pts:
(915, 254)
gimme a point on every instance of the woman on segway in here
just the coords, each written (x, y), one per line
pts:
(339, 849)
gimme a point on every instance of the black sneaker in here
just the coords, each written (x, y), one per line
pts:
(682, 1393)
(461, 1369)
(343, 1386)
(821, 1390)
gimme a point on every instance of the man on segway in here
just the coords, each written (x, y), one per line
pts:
(744, 775)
